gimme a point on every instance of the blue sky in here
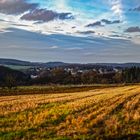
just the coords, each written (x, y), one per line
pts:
(70, 31)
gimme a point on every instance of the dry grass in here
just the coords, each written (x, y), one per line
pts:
(105, 113)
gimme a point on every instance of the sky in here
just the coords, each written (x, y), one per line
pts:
(74, 31)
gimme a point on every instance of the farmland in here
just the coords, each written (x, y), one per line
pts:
(98, 113)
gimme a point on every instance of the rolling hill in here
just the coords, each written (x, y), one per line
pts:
(14, 62)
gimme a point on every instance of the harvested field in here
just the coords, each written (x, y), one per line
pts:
(104, 113)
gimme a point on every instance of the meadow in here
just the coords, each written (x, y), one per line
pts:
(77, 114)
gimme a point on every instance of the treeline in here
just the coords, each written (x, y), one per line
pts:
(12, 78)
(60, 76)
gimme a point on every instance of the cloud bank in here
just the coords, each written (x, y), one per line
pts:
(15, 7)
(45, 15)
(133, 29)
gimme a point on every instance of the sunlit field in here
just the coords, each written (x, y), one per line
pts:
(100, 113)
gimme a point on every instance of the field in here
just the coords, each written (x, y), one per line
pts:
(94, 113)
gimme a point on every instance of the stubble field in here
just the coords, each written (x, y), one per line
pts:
(104, 113)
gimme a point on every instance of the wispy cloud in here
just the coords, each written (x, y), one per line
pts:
(135, 9)
(103, 22)
(117, 8)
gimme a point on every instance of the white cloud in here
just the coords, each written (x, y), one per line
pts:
(53, 47)
(117, 8)
(74, 48)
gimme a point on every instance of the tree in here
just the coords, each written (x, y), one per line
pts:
(118, 78)
(10, 81)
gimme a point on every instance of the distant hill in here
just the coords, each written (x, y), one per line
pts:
(54, 64)
(14, 62)
(119, 64)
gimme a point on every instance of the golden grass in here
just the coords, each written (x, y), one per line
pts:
(105, 113)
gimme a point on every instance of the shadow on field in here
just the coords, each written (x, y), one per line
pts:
(125, 137)
(30, 90)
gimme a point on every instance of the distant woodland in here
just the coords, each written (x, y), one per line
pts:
(12, 78)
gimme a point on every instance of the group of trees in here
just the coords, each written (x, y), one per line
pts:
(12, 78)
(131, 75)
(60, 76)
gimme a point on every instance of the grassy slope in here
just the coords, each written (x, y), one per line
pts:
(104, 113)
